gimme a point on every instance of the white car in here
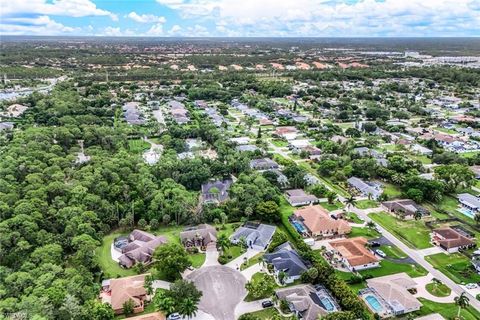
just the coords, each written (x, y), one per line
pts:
(380, 253)
(471, 286)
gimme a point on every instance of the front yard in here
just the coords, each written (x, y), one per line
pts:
(456, 266)
(366, 204)
(366, 232)
(413, 233)
(388, 267)
(447, 310)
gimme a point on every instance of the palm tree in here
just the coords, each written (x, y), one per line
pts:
(418, 215)
(351, 201)
(223, 243)
(331, 196)
(462, 302)
(370, 224)
(188, 308)
(437, 282)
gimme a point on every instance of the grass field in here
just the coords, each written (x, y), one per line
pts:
(388, 267)
(393, 252)
(366, 204)
(233, 252)
(138, 145)
(456, 266)
(354, 218)
(438, 290)
(333, 206)
(364, 232)
(265, 314)
(413, 233)
(447, 310)
(197, 259)
(253, 260)
(256, 278)
(110, 268)
(279, 143)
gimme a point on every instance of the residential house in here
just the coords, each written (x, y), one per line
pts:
(247, 148)
(298, 197)
(366, 152)
(215, 191)
(263, 164)
(198, 236)
(315, 221)
(256, 235)
(417, 148)
(118, 291)
(476, 263)
(469, 202)
(452, 239)
(404, 208)
(285, 259)
(137, 247)
(476, 171)
(308, 302)
(354, 255)
(149, 316)
(6, 126)
(395, 292)
(289, 133)
(366, 189)
(15, 110)
(240, 140)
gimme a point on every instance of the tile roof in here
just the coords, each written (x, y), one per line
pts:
(354, 251)
(318, 220)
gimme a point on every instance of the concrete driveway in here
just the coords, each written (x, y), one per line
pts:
(211, 255)
(222, 287)
(237, 262)
(248, 307)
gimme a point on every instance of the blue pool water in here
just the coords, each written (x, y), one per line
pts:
(298, 226)
(327, 304)
(467, 212)
(374, 303)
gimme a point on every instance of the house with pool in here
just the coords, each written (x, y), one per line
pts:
(469, 204)
(315, 221)
(391, 296)
(308, 302)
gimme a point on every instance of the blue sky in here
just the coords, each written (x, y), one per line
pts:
(322, 18)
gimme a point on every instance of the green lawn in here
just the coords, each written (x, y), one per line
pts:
(364, 232)
(138, 145)
(233, 252)
(388, 267)
(471, 154)
(331, 207)
(110, 268)
(438, 290)
(393, 252)
(392, 191)
(354, 218)
(366, 204)
(447, 310)
(422, 159)
(456, 266)
(413, 233)
(149, 308)
(279, 143)
(259, 277)
(265, 314)
(252, 261)
(197, 259)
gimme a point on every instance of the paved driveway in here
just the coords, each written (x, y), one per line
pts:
(222, 287)
(211, 255)
(237, 262)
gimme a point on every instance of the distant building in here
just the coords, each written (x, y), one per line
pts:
(199, 236)
(118, 291)
(451, 239)
(404, 208)
(365, 189)
(263, 164)
(315, 221)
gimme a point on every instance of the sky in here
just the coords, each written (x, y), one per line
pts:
(242, 18)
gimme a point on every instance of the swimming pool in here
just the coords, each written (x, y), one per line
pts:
(469, 213)
(298, 226)
(327, 304)
(374, 303)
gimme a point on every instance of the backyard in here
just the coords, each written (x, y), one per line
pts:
(447, 310)
(413, 233)
(366, 204)
(388, 267)
(368, 233)
(456, 266)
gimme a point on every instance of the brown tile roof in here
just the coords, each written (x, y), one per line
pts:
(149, 316)
(318, 220)
(123, 289)
(354, 251)
(452, 238)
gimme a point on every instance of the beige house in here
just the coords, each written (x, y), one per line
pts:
(318, 222)
(118, 291)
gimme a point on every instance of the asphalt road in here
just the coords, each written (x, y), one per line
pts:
(418, 258)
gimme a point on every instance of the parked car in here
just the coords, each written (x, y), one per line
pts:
(174, 316)
(374, 244)
(380, 253)
(471, 286)
(267, 304)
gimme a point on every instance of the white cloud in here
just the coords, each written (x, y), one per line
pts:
(175, 30)
(41, 25)
(155, 30)
(117, 32)
(334, 18)
(146, 18)
(69, 8)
